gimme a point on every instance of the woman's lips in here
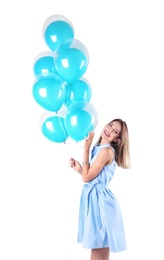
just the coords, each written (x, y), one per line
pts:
(106, 133)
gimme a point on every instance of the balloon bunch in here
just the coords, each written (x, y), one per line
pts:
(60, 86)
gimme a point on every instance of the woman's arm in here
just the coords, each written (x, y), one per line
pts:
(89, 172)
(87, 144)
(106, 155)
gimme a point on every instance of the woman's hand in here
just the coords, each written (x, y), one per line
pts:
(88, 141)
(75, 165)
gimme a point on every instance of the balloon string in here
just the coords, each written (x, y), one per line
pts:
(69, 145)
(67, 138)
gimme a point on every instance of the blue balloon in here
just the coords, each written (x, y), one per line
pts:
(80, 90)
(53, 129)
(71, 64)
(81, 117)
(78, 124)
(44, 64)
(71, 60)
(49, 92)
(57, 32)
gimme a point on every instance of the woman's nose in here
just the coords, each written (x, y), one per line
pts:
(110, 129)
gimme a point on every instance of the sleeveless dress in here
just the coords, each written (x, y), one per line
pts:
(100, 217)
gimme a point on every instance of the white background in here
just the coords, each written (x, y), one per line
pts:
(39, 193)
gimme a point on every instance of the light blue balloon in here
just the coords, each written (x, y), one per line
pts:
(57, 32)
(78, 123)
(53, 129)
(80, 90)
(49, 92)
(71, 64)
(44, 65)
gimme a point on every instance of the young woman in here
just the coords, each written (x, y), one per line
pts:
(101, 227)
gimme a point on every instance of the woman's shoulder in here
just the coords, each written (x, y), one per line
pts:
(109, 153)
(108, 150)
(105, 149)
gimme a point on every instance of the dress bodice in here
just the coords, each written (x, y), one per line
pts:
(107, 171)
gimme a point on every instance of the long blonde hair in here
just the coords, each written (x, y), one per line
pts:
(122, 153)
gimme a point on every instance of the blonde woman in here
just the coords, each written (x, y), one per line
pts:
(101, 227)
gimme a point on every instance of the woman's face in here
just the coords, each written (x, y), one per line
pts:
(111, 132)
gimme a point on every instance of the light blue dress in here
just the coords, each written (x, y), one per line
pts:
(100, 217)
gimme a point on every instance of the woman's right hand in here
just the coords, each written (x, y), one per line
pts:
(75, 165)
(88, 141)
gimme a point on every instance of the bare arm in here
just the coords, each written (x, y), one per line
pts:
(89, 172)
(87, 144)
